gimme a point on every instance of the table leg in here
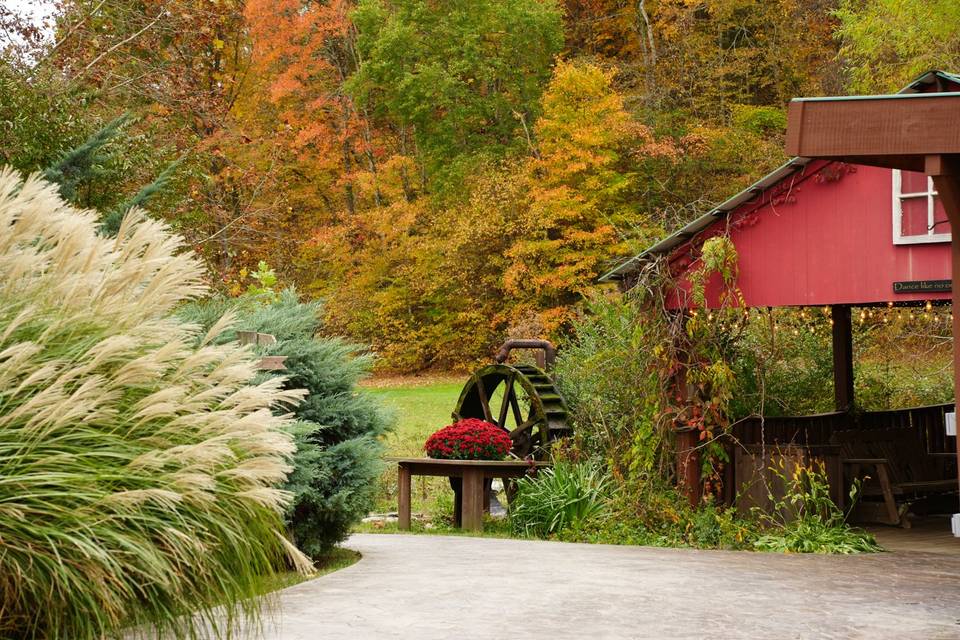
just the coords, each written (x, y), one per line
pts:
(403, 510)
(472, 499)
(456, 484)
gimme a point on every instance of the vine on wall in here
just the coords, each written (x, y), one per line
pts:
(704, 342)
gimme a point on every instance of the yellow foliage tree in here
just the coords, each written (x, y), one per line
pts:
(584, 184)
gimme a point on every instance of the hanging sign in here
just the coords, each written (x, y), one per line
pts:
(922, 286)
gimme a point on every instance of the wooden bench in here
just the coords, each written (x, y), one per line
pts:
(899, 468)
(473, 474)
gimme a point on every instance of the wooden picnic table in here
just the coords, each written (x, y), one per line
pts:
(473, 474)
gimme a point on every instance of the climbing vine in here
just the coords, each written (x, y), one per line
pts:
(705, 346)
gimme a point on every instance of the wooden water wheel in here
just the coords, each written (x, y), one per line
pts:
(521, 399)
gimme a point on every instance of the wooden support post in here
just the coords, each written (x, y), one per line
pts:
(472, 516)
(842, 357)
(945, 171)
(403, 508)
(688, 464)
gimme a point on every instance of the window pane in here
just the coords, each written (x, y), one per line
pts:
(913, 221)
(912, 182)
(940, 217)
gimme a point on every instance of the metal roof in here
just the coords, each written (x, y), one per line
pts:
(793, 165)
(888, 96)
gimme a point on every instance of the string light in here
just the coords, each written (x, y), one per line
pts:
(927, 313)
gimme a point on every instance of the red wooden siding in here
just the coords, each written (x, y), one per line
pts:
(826, 238)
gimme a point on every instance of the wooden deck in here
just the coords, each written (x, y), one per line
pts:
(930, 534)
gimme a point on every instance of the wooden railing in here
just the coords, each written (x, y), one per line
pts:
(756, 441)
(817, 429)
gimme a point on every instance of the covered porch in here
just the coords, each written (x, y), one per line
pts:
(860, 219)
(906, 463)
(904, 460)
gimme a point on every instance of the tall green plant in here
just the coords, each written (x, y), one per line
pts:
(609, 374)
(138, 464)
(806, 520)
(565, 496)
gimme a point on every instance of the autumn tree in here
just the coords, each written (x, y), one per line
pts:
(705, 56)
(589, 201)
(302, 53)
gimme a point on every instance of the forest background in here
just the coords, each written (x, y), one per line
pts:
(442, 174)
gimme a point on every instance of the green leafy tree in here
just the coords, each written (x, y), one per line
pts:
(467, 86)
(887, 43)
(40, 116)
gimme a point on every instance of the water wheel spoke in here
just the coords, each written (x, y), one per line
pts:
(505, 406)
(530, 403)
(523, 427)
(515, 406)
(484, 400)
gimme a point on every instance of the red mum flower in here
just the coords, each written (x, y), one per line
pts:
(469, 439)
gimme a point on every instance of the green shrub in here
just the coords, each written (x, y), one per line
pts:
(806, 520)
(333, 488)
(329, 369)
(607, 374)
(339, 429)
(568, 495)
(139, 461)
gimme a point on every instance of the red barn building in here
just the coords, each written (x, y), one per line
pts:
(829, 233)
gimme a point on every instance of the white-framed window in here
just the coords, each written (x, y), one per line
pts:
(918, 214)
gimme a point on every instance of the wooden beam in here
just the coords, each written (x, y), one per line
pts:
(842, 357)
(945, 171)
(874, 126)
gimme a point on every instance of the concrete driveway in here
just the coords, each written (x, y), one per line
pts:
(426, 587)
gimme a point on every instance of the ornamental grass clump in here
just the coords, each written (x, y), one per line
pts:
(469, 439)
(566, 496)
(138, 465)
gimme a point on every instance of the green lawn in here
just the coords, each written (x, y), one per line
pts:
(421, 407)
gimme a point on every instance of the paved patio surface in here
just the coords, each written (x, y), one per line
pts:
(426, 587)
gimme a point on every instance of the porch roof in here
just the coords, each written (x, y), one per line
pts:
(935, 79)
